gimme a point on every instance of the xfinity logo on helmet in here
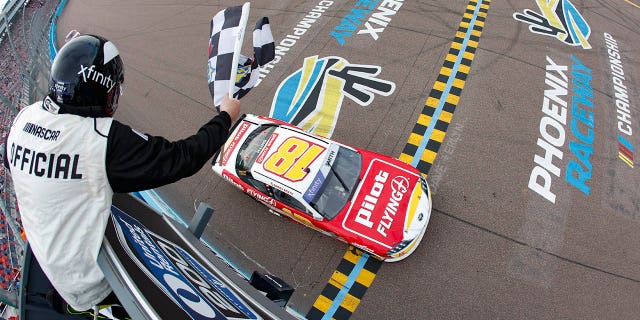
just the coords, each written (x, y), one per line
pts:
(91, 74)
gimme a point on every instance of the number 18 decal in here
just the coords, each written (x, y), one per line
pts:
(292, 158)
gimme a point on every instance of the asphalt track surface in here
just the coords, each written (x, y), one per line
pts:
(496, 245)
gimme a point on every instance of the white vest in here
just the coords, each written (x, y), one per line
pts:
(58, 168)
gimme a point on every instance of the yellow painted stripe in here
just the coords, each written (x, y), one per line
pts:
(464, 24)
(464, 69)
(453, 99)
(472, 43)
(446, 116)
(432, 102)
(437, 135)
(439, 86)
(458, 83)
(460, 34)
(445, 71)
(428, 156)
(351, 257)
(405, 158)
(365, 278)
(415, 139)
(322, 303)
(482, 14)
(625, 159)
(631, 3)
(476, 33)
(338, 279)
(480, 23)
(350, 303)
(485, 6)
(424, 120)
(307, 71)
(451, 58)
(468, 55)
(456, 45)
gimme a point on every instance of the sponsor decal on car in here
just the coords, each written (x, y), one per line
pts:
(228, 150)
(561, 82)
(266, 148)
(321, 175)
(292, 158)
(231, 179)
(311, 97)
(314, 188)
(380, 202)
(559, 19)
(183, 278)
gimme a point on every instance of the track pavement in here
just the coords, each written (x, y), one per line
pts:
(512, 235)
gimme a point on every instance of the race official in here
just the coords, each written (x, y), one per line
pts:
(67, 156)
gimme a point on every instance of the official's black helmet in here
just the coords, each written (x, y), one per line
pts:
(86, 77)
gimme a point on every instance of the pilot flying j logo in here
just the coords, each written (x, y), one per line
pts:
(311, 97)
(559, 19)
(379, 207)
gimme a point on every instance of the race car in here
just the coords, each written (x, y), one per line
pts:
(372, 201)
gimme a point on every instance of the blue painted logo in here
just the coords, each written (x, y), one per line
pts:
(559, 19)
(198, 292)
(311, 97)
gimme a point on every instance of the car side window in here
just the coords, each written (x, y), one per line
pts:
(248, 178)
(288, 200)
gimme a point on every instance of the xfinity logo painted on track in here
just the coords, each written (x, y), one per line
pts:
(189, 284)
(578, 170)
(311, 97)
(374, 24)
(559, 19)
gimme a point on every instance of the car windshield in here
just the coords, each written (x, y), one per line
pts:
(252, 146)
(342, 178)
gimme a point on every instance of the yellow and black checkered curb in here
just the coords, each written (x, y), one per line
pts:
(356, 271)
(345, 287)
(452, 96)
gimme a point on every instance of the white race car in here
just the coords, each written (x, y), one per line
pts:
(371, 201)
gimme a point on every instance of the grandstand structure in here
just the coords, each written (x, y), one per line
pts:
(25, 60)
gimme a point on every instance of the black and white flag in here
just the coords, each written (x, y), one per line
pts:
(225, 60)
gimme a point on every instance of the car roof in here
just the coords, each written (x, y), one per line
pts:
(316, 150)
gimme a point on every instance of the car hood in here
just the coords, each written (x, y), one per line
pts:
(384, 205)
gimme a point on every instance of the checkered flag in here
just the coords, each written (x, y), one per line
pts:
(225, 60)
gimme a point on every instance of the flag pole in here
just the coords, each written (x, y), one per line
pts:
(238, 47)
